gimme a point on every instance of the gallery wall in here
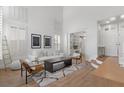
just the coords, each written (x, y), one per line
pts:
(44, 20)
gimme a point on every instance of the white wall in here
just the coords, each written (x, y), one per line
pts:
(78, 18)
(44, 20)
(1, 33)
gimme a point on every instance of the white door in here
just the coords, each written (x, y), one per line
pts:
(110, 39)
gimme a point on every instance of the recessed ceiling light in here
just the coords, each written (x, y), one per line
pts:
(107, 22)
(113, 18)
(122, 16)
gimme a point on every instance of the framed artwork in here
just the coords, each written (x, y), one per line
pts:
(47, 41)
(35, 41)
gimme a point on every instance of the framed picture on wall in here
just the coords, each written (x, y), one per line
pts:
(35, 41)
(47, 41)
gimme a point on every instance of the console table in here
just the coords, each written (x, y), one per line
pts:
(55, 64)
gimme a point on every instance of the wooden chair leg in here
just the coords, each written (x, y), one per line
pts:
(21, 71)
(26, 77)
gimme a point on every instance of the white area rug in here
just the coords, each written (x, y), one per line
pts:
(58, 74)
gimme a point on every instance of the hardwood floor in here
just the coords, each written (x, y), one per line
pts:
(13, 79)
(80, 78)
(86, 78)
(77, 79)
(110, 72)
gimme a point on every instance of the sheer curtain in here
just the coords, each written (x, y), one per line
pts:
(15, 29)
(17, 41)
(0, 33)
(57, 42)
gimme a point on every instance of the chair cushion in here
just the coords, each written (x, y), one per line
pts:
(94, 65)
(98, 61)
(76, 55)
(15, 65)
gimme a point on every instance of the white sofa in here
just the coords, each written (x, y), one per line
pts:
(49, 57)
(16, 64)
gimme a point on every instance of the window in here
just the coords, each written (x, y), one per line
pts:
(57, 42)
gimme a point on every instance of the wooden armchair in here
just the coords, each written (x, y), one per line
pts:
(29, 71)
(78, 58)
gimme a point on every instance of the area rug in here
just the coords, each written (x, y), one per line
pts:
(52, 77)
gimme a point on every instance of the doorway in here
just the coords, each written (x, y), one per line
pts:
(108, 39)
(111, 37)
(76, 42)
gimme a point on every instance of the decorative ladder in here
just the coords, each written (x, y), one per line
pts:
(6, 53)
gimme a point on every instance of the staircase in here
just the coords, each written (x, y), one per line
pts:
(6, 53)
